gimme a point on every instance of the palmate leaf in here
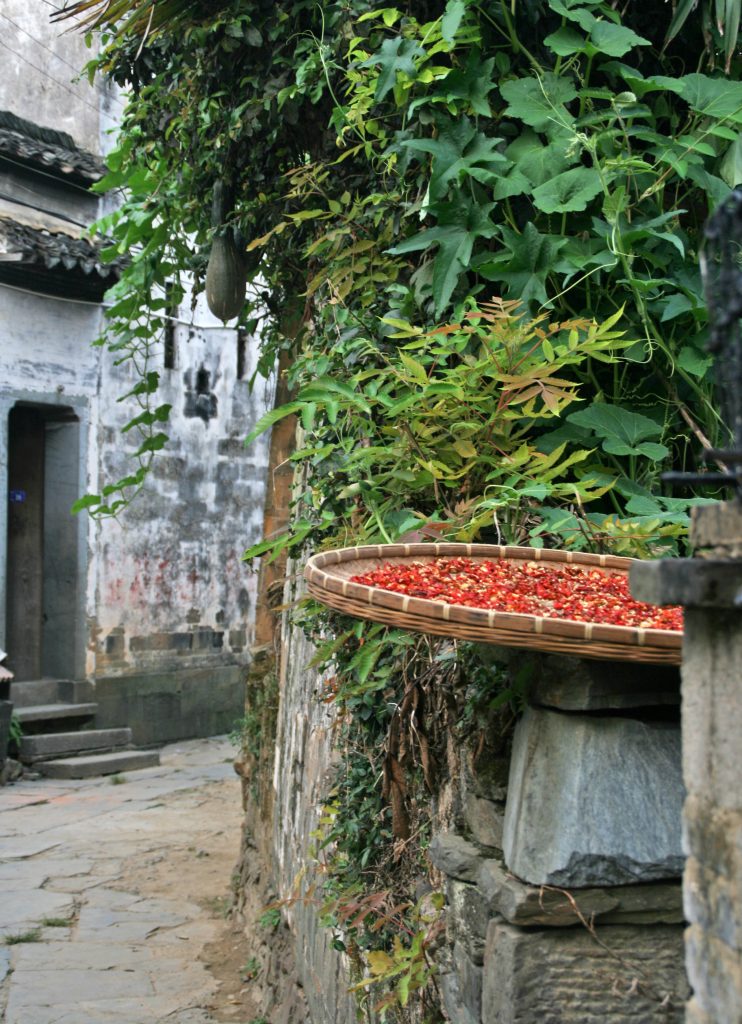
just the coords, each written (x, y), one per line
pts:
(460, 223)
(713, 97)
(525, 263)
(458, 151)
(615, 40)
(535, 161)
(472, 83)
(396, 56)
(566, 41)
(568, 192)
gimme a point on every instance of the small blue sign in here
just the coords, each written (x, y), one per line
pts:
(16, 497)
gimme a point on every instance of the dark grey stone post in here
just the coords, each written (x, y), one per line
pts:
(710, 588)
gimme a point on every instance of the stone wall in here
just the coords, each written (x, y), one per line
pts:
(304, 755)
(559, 863)
(170, 601)
(576, 915)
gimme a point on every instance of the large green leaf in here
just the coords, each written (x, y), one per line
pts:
(615, 40)
(524, 264)
(396, 56)
(566, 41)
(730, 168)
(458, 151)
(455, 11)
(460, 223)
(569, 191)
(694, 362)
(535, 161)
(574, 12)
(540, 102)
(472, 83)
(712, 97)
(621, 431)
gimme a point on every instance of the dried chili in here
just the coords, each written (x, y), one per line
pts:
(528, 588)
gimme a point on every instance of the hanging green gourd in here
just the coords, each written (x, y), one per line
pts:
(225, 275)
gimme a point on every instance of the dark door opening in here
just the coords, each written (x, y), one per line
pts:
(42, 562)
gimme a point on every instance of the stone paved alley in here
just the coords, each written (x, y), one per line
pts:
(113, 894)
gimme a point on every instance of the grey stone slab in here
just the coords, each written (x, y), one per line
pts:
(452, 1000)
(455, 856)
(21, 847)
(100, 764)
(631, 975)
(578, 684)
(468, 916)
(22, 910)
(52, 989)
(470, 976)
(134, 1010)
(718, 524)
(715, 973)
(484, 819)
(123, 928)
(57, 955)
(52, 712)
(593, 800)
(539, 906)
(4, 963)
(54, 744)
(532, 905)
(692, 582)
(33, 874)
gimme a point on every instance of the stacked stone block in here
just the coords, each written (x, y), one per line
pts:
(575, 915)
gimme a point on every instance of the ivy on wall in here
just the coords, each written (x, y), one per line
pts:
(486, 218)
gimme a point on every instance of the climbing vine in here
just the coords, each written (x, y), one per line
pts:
(486, 219)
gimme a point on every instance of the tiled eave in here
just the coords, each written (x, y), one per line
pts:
(45, 254)
(44, 149)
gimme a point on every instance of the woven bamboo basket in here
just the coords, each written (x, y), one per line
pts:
(328, 578)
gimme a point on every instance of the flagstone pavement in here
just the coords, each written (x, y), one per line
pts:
(85, 938)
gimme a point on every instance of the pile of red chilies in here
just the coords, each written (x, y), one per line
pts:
(552, 591)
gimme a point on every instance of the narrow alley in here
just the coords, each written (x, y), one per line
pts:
(116, 891)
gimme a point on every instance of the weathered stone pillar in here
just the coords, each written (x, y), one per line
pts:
(710, 588)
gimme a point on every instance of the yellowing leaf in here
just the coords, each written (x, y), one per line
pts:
(465, 449)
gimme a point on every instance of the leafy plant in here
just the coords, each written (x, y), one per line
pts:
(477, 229)
(270, 918)
(15, 734)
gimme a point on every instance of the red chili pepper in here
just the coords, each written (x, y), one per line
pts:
(559, 591)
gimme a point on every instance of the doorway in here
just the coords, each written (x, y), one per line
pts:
(42, 547)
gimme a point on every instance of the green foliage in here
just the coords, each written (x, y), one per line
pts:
(405, 970)
(484, 221)
(15, 734)
(16, 938)
(270, 918)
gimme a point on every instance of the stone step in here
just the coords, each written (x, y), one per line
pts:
(34, 691)
(50, 745)
(51, 712)
(100, 764)
(50, 691)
